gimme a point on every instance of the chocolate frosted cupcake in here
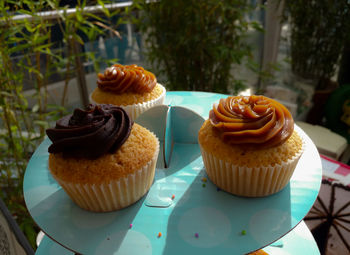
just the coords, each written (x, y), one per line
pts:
(249, 145)
(101, 158)
(131, 87)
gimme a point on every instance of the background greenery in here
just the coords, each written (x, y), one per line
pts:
(319, 31)
(195, 44)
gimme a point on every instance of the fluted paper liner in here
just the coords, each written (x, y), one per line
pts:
(116, 194)
(247, 181)
(135, 110)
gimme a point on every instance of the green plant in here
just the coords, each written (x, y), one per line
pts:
(195, 43)
(319, 31)
(28, 53)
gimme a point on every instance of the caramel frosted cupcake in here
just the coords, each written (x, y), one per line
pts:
(101, 158)
(258, 252)
(131, 87)
(249, 145)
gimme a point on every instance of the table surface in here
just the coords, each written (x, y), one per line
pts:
(218, 217)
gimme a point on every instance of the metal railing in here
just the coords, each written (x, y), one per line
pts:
(56, 14)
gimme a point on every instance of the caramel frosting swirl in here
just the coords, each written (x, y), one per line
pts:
(252, 121)
(90, 133)
(130, 78)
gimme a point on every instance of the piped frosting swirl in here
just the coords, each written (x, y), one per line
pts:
(129, 78)
(90, 133)
(252, 121)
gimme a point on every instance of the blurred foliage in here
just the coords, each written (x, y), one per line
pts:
(195, 44)
(29, 51)
(319, 31)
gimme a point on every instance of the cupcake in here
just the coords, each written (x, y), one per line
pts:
(130, 87)
(249, 145)
(258, 252)
(102, 160)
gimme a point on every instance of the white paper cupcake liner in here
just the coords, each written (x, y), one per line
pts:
(135, 110)
(116, 194)
(247, 181)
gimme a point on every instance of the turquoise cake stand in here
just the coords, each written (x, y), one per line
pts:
(192, 215)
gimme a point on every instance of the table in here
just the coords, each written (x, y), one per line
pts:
(218, 217)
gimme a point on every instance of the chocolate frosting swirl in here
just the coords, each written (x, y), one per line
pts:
(253, 122)
(90, 133)
(130, 78)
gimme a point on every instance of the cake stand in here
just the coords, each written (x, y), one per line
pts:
(183, 213)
